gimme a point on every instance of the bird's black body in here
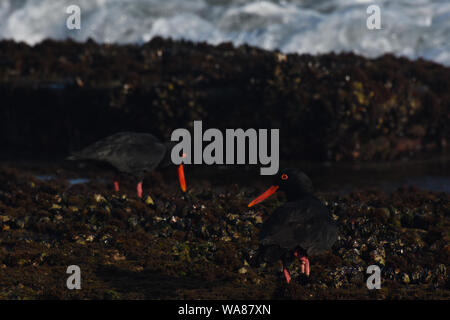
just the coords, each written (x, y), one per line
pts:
(131, 153)
(302, 224)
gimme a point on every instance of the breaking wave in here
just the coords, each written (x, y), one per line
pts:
(412, 28)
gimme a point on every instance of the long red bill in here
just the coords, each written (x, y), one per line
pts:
(264, 195)
(181, 177)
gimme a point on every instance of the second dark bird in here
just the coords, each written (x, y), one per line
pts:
(135, 154)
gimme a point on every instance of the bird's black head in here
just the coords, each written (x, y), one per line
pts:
(293, 182)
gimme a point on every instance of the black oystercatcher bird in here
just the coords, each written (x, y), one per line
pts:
(299, 228)
(131, 153)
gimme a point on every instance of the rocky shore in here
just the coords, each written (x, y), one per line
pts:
(59, 96)
(198, 246)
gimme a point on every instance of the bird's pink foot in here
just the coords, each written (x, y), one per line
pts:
(304, 268)
(139, 189)
(287, 276)
(305, 265)
(116, 186)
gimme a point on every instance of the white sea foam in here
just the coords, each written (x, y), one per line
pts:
(412, 28)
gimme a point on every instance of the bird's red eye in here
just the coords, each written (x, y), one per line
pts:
(284, 176)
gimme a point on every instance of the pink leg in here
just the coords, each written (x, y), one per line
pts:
(139, 189)
(287, 275)
(305, 265)
(116, 186)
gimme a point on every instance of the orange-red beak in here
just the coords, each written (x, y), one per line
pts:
(181, 177)
(264, 195)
